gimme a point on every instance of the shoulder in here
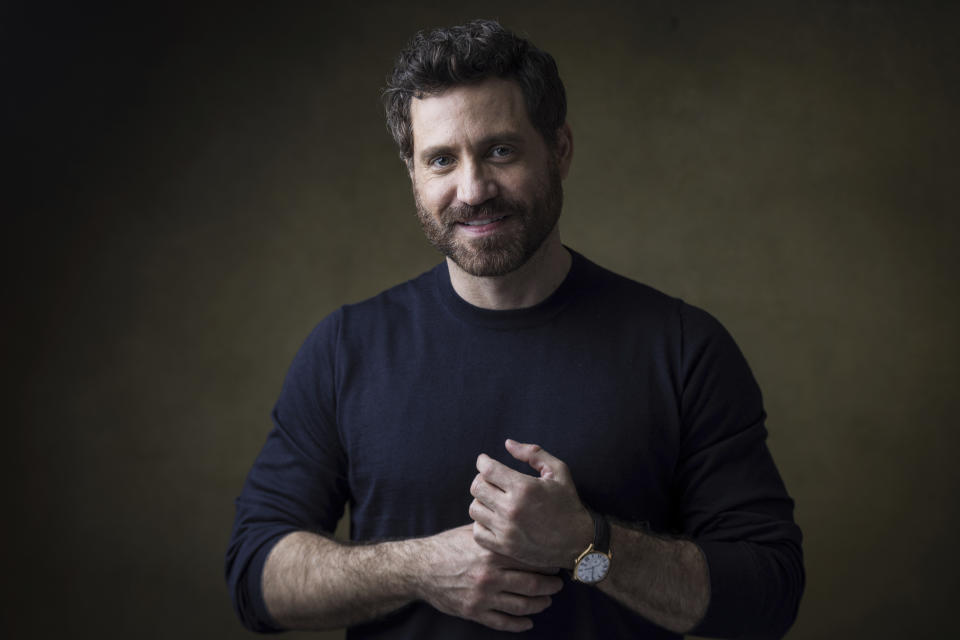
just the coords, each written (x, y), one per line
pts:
(625, 300)
(401, 298)
(638, 306)
(405, 298)
(369, 322)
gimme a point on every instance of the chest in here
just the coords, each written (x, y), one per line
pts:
(415, 420)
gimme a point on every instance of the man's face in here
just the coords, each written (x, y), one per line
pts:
(487, 187)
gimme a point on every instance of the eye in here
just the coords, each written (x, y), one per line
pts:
(441, 162)
(501, 151)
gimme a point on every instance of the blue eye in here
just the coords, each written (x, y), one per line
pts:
(501, 151)
(441, 162)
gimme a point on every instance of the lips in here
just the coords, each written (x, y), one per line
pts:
(482, 226)
(482, 221)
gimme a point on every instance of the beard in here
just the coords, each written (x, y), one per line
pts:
(499, 253)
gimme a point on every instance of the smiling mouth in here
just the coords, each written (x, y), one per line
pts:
(480, 223)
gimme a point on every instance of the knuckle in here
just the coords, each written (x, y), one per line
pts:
(485, 576)
(473, 606)
(477, 484)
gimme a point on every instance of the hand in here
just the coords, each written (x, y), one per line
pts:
(471, 582)
(537, 520)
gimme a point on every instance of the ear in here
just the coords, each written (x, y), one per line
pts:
(564, 149)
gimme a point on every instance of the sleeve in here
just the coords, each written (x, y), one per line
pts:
(298, 481)
(733, 502)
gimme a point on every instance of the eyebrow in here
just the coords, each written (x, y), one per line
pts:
(504, 137)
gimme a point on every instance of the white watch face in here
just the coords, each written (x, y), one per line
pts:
(593, 567)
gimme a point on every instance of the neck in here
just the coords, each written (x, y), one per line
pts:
(531, 284)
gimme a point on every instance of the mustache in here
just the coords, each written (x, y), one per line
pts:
(493, 208)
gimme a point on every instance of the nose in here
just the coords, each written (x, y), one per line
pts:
(475, 185)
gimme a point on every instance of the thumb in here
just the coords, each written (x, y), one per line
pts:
(546, 465)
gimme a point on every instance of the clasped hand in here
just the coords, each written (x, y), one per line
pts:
(502, 569)
(537, 520)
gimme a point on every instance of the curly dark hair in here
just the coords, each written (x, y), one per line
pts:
(446, 57)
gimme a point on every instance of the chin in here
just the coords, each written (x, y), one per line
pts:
(494, 257)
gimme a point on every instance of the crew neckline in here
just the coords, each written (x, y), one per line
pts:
(503, 319)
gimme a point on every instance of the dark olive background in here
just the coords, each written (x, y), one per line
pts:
(189, 190)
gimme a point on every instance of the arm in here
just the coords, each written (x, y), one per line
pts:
(312, 582)
(541, 520)
(664, 580)
(281, 576)
(722, 585)
(741, 573)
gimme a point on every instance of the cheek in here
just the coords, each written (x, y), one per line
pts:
(432, 195)
(521, 185)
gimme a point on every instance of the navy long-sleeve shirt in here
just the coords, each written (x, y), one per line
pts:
(647, 399)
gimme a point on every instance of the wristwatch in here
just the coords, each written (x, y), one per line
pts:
(593, 564)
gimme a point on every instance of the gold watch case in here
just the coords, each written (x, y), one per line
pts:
(592, 566)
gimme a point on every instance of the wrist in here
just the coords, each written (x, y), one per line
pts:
(409, 567)
(580, 539)
(593, 564)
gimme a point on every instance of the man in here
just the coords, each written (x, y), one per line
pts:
(527, 441)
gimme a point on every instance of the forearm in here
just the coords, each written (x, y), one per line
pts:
(542, 522)
(312, 582)
(664, 580)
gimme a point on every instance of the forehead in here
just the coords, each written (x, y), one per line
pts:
(468, 112)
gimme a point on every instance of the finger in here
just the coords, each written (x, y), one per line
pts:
(535, 456)
(527, 583)
(507, 563)
(516, 605)
(488, 494)
(485, 537)
(504, 622)
(499, 474)
(482, 515)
